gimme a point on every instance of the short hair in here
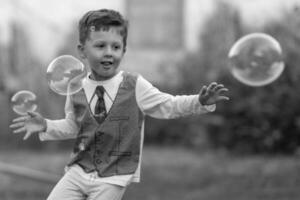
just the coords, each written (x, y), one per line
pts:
(102, 19)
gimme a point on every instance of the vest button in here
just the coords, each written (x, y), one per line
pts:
(98, 161)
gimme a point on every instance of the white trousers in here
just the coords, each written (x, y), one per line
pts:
(74, 187)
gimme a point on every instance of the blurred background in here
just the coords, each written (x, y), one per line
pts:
(247, 150)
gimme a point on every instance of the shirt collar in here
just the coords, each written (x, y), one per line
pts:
(90, 85)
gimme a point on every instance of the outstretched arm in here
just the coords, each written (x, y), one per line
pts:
(162, 105)
(47, 129)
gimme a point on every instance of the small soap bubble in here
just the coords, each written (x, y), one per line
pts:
(256, 59)
(65, 74)
(24, 101)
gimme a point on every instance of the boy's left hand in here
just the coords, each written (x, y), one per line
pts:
(31, 123)
(211, 94)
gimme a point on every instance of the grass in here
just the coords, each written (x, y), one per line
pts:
(175, 173)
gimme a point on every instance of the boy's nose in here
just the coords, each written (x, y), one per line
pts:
(108, 51)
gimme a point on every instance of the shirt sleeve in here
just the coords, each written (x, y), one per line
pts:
(61, 129)
(162, 105)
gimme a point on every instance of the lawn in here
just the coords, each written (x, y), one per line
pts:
(174, 173)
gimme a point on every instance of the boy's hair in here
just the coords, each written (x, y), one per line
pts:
(102, 19)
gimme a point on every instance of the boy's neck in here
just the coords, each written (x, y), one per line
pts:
(96, 77)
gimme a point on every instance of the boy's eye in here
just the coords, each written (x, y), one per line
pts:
(100, 45)
(116, 47)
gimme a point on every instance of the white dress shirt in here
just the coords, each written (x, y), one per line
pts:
(150, 100)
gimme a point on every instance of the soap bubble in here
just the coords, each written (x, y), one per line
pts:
(65, 74)
(24, 101)
(256, 59)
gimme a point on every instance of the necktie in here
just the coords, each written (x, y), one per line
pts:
(100, 110)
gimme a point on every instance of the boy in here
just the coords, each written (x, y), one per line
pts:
(107, 116)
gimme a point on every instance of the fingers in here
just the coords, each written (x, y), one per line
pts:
(17, 125)
(216, 92)
(203, 90)
(218, 87)
(20, 130)
(215, 87)
(27, 135)
(212, 86)
(222, 98)
(221, 90)
(32, 114)
(21, 119)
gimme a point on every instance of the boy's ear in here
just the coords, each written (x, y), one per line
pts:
(80, 49)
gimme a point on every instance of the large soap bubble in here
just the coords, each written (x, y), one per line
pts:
(65, 74)
(24, 101)
(256, 59)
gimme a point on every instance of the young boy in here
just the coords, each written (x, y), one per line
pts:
(107, 116)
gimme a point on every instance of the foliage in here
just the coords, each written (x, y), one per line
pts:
(197, 69)
(265, 119)
(256, 119)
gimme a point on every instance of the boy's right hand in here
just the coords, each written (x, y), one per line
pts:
(212, 94)
(31, 123)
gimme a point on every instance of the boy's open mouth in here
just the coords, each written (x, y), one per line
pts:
(106, 63)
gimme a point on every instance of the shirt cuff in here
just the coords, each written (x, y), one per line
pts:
(197, 108)
(210, 108)
(204, 108)
(43, 135)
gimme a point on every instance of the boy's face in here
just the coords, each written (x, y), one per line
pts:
(103, 50)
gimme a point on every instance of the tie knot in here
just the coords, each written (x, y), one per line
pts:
(99, 91)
